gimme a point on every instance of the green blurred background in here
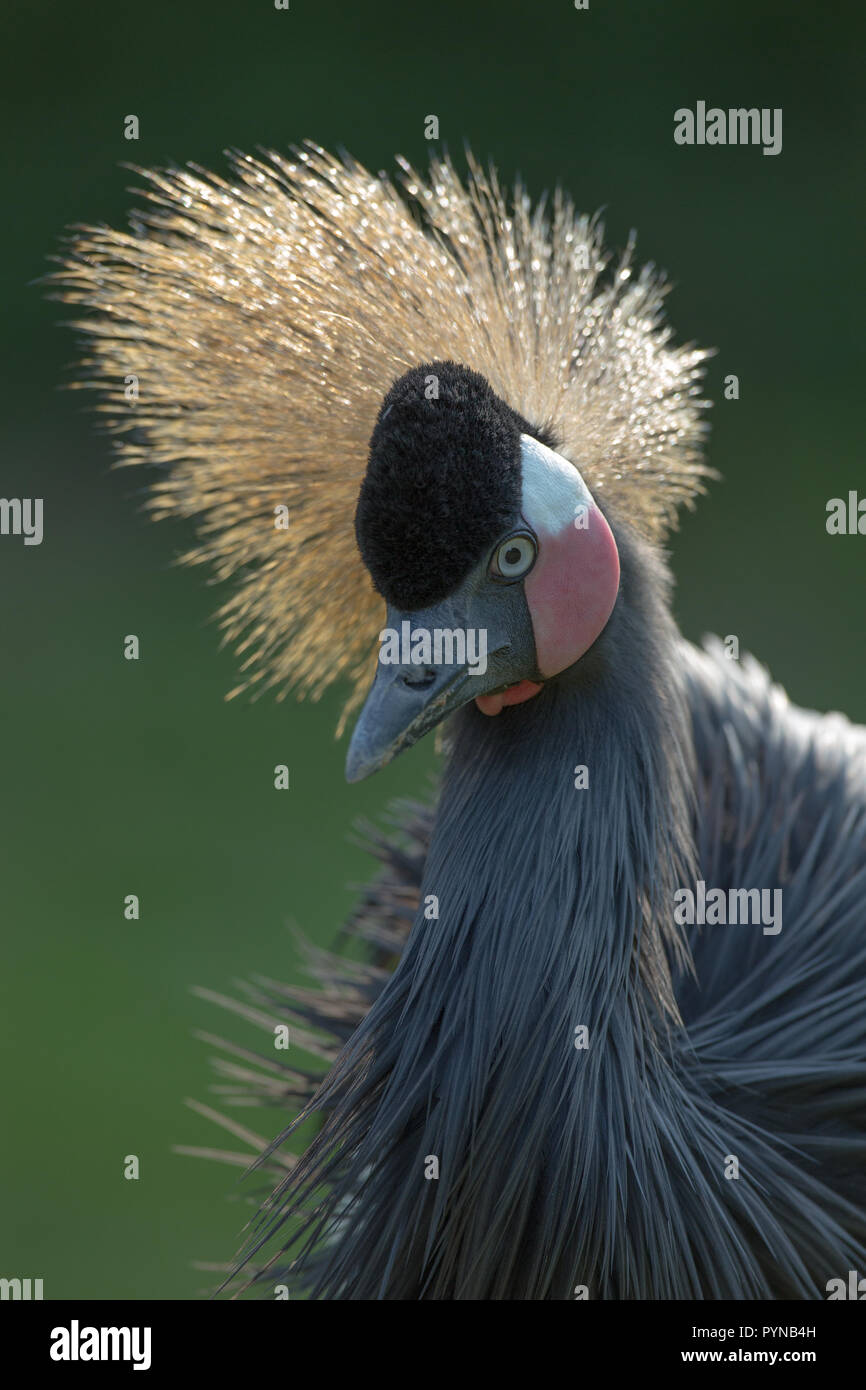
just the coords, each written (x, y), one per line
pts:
(124, 777)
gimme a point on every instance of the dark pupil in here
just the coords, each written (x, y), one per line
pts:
(512, 556)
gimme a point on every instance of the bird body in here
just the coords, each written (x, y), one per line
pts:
(606, 1168)
(566, 1088)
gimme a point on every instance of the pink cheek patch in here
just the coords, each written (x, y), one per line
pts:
(571, 591)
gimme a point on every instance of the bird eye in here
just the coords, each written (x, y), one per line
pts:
(514, 557)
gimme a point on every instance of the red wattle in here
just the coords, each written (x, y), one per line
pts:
(514, 695)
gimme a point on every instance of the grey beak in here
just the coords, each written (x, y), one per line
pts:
(405, 702)
(409, 697)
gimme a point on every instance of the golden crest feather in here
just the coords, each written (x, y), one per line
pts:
(265, 319)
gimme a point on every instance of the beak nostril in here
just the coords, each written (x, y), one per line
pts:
(419, 678)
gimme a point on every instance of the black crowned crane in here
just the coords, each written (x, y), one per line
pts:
(567, 1085)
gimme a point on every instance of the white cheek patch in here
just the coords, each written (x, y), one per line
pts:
(554, 494)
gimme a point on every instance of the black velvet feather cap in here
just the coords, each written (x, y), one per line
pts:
(442, 483)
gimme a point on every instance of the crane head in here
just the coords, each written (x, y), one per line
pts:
(498, 569)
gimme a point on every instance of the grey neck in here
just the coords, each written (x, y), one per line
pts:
(513, 1044)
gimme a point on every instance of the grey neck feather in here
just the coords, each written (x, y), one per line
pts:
(554, 914)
